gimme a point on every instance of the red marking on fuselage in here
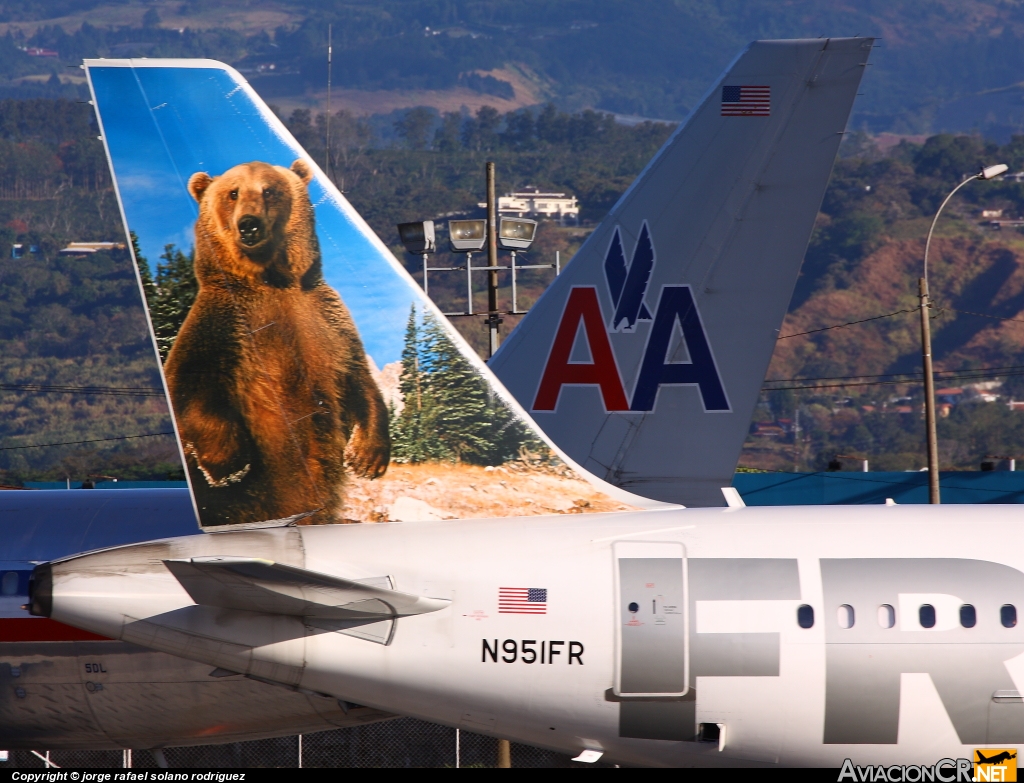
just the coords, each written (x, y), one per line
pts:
(42, 629)
(210, 731)
(601, 371)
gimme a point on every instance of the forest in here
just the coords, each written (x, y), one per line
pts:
(939, 65)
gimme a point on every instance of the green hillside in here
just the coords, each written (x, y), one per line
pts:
(855, 387)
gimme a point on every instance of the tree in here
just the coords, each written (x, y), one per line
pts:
(301, 126)
(446, 137)
(480, 132)
(408, 429)
(551, 125)
(519, 127)
(176, 289)
(414, 127)
(950, 158)
(461, 421)
(148, 288)
(450, 412)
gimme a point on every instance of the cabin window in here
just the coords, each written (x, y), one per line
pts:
(886, 616)
(845, 616)
(805, 616)
(1008, 615)
(9, 584)
(968, 617)
(926, 615)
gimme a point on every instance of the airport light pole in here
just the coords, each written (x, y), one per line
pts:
(934, 495)
(493, 318)
(470, 236)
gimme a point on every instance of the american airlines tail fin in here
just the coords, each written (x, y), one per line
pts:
(644, 359)
(310, 379)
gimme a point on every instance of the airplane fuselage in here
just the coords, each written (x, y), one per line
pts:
(62, 688)
(630, 630)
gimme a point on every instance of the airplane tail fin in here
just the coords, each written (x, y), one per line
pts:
(644, 359)
(308, 375)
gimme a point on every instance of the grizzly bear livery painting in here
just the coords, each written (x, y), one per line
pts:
(310, 379)
(269, 381)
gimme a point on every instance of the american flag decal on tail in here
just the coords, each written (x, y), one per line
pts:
(522, 600)
(746, 101)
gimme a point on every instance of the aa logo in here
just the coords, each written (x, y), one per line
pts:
(581, 353)
(995, 764)
(627, 283)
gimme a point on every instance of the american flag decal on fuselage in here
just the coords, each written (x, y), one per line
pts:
(746, 101)
(522, 600)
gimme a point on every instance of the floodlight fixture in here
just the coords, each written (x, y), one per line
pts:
(516, 233)
(418, 237)
(467, 236)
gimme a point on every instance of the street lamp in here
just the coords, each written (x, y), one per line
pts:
(516, 234)
(989, 172)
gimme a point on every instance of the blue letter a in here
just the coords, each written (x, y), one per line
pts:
(677, 304)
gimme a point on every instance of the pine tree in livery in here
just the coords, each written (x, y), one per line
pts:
(176, 290)
(449, 413)
(409, 427)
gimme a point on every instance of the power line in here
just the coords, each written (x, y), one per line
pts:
(115, 391)
(915, 373)
(79, 442)
(981, 315)
(938, 311)
(850, 323)
(947, 375)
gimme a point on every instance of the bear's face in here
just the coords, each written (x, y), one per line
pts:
(250, 205)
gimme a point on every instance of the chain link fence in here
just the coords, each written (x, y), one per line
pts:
(402, 742)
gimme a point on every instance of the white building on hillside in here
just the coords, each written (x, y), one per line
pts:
(535, 204)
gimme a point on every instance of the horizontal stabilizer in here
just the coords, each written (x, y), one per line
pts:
(273, 588)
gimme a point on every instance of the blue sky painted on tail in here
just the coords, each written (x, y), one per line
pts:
(164, 124)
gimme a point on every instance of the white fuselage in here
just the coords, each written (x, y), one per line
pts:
(784, 694)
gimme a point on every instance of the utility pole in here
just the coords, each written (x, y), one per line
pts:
(796, 439)
(504, 747)
(929, 393)
(504, 754)
(493, 319)
(328, 167)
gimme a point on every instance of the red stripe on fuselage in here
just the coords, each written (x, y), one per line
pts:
(42, 629)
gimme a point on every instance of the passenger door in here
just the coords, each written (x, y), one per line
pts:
(652, 619)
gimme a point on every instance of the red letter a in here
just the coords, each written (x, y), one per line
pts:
(602, 371)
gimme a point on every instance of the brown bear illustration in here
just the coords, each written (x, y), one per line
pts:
(268, 377)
